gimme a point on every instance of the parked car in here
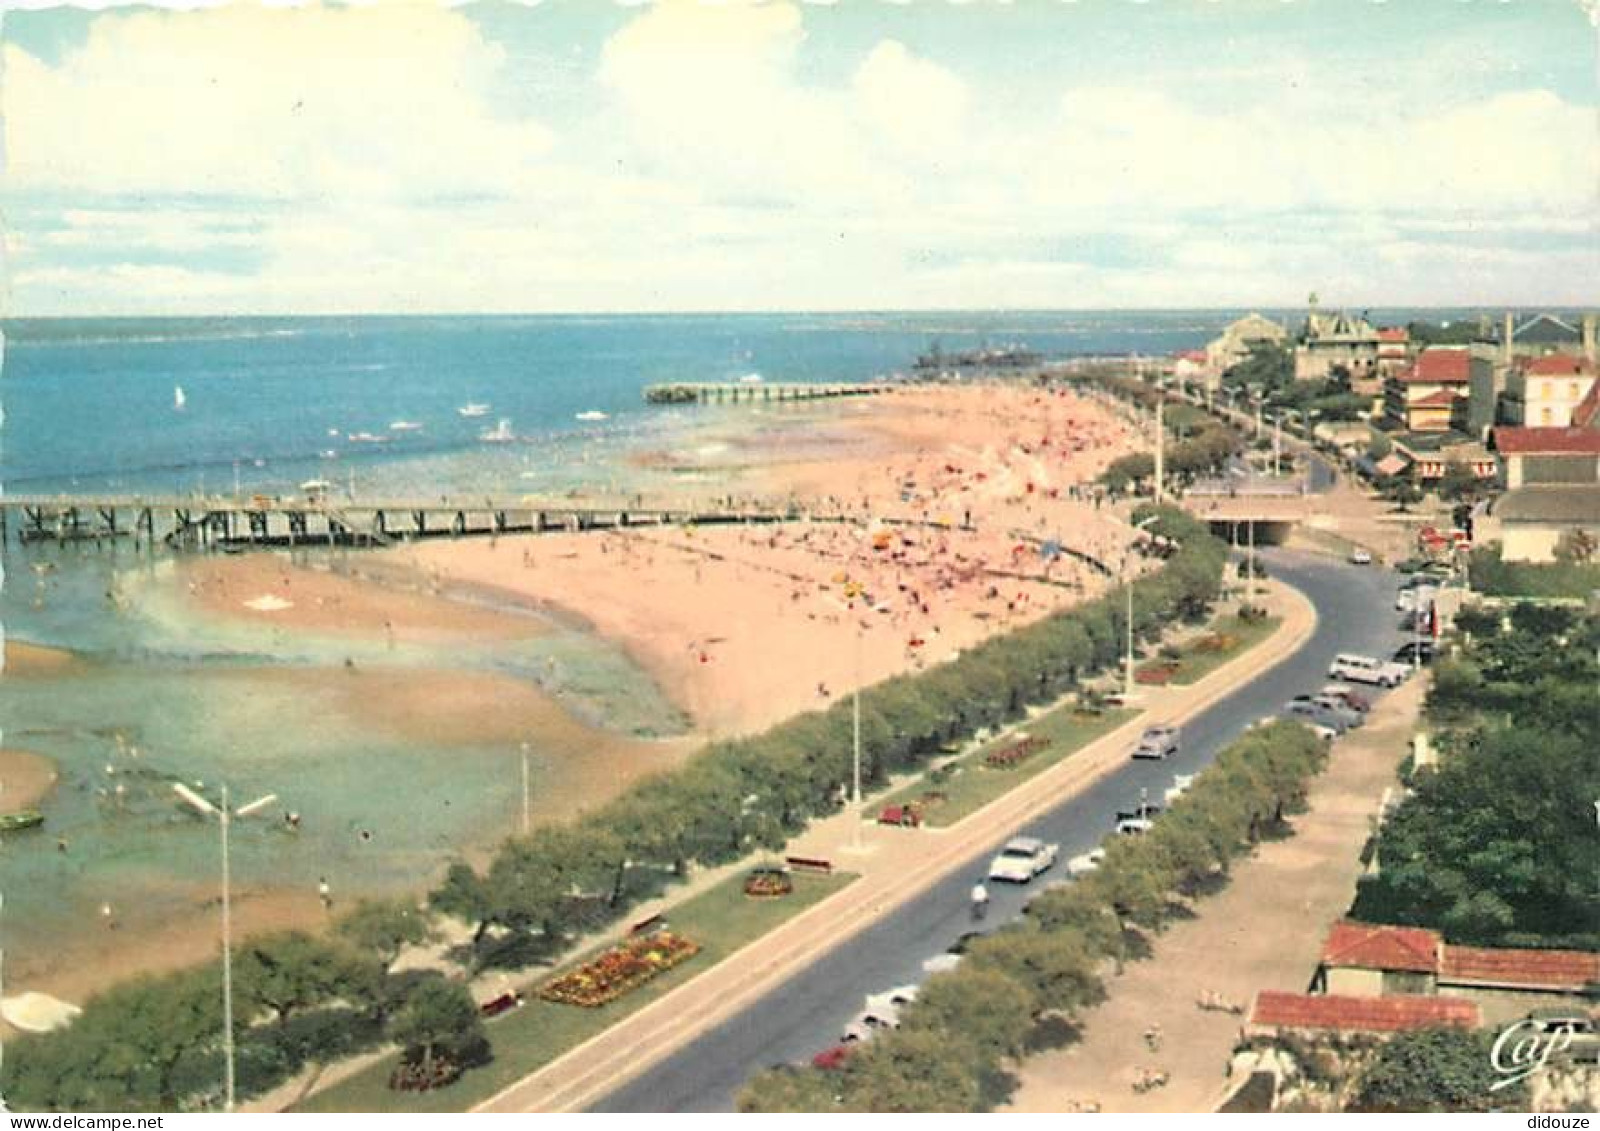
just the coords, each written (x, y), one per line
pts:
(866, 1024)
(1348, 716)
(1088, 862)
(1311, 713)
(1157, 743)
(891, 1000)
(941, 963)
(1134, 826)
(1360, 556)
(1352, 668)
(1349, 696)
(1022, 859)
(1180, 786)
(1424, 651)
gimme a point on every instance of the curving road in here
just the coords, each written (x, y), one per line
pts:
(1355, 614)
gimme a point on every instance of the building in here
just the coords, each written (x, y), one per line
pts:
(1531, 521)
(1545, 392)
(1331, 341)
(1275, 1011)
(1232, 346)
(1542, 335)
(1394, 350)
(1368, 962)
(1434, 392)
(1191, 365)
(1531, 456)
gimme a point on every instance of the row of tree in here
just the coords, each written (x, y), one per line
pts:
(1496, 844)
(155, 1044)
(1040, 974)
(1199, 445)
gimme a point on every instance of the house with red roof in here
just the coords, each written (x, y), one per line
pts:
(1367, 961)
(1394, 350)
(1434, 392)
(1546, 392)
(1528, 456)
(1275, 1011)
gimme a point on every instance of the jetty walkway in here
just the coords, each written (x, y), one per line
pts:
(754, 392)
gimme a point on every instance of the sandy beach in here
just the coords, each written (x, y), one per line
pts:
(24, 660)
(25, 780)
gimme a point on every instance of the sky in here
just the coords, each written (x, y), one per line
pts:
(578, 155)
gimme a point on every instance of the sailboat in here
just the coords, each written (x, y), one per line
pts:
(500, 434)
(178, 399)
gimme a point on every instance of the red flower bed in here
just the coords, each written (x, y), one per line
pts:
(620, 969)
(1009, 756)
(1156, 674)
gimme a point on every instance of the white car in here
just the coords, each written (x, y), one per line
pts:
(1364, 669)
(1022, 859)
(1157, 742)
(1088, 862)
(1134, 826)
(891, 1001)
(1180, 786)
(866, 1024)
(1360, 556)
(941, 963)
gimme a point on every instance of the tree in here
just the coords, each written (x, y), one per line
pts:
(911, 1072)
(292, 971)
(439, 1018)
(986, 1010)
(1433, 1070)
(385, 927)
(1458, 482)
(1576, 547)
(1059, 968)
(463, 895)
(790, 1089)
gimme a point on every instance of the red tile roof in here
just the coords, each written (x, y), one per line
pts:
(1368, 947)
(1392, 1013)
(1547, 441)
(1439, 398)
(1558, 365)
(1394, 334)
(1444, 366)
(1197, 356)
(1534, 969)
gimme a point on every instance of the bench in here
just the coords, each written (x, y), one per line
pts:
(645, 926)
(809, 864)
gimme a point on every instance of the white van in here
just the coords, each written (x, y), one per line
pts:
(1365, 669)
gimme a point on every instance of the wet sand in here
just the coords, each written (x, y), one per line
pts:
(36, 661)
(25, 780)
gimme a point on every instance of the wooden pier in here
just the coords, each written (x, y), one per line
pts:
(191, 522)
(754, 392)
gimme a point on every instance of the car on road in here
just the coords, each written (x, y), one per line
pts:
(1088, 862)
(1180, 786)
(1351, 668)
(1360, 556)
(882, 1012)
(1022, 859)
(1157, 742)
(1134, 826)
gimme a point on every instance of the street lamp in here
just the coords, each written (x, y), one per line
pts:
(1127, 586)
(224, 818)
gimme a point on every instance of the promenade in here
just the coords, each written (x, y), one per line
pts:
(895, 865)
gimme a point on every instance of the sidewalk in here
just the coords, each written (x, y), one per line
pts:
(895, 866)
(1263, 931)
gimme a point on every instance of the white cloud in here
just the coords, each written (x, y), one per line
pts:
(916, 104)
(380, 102)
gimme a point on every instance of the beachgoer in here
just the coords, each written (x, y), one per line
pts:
(324, 893)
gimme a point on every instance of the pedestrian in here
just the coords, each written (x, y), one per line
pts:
(980, 900)
(325, 893)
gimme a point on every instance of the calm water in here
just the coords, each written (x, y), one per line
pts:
(89, 407)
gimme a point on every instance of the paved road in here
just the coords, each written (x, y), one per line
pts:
(806, 1014)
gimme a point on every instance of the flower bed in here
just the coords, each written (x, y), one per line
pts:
(1009, 756)
(1216, 642)
(768, 883)
(1156, 674)
(620, 969)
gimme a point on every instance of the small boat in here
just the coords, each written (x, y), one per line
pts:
(366, 438)
(333, 431)
(178, 398)
(593, 414)
(474, 409)
(500, 434)
(405, 426)
(21, 819)
(751, 379)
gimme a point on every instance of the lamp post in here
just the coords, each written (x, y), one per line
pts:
(1127, 587)
(224, 818)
